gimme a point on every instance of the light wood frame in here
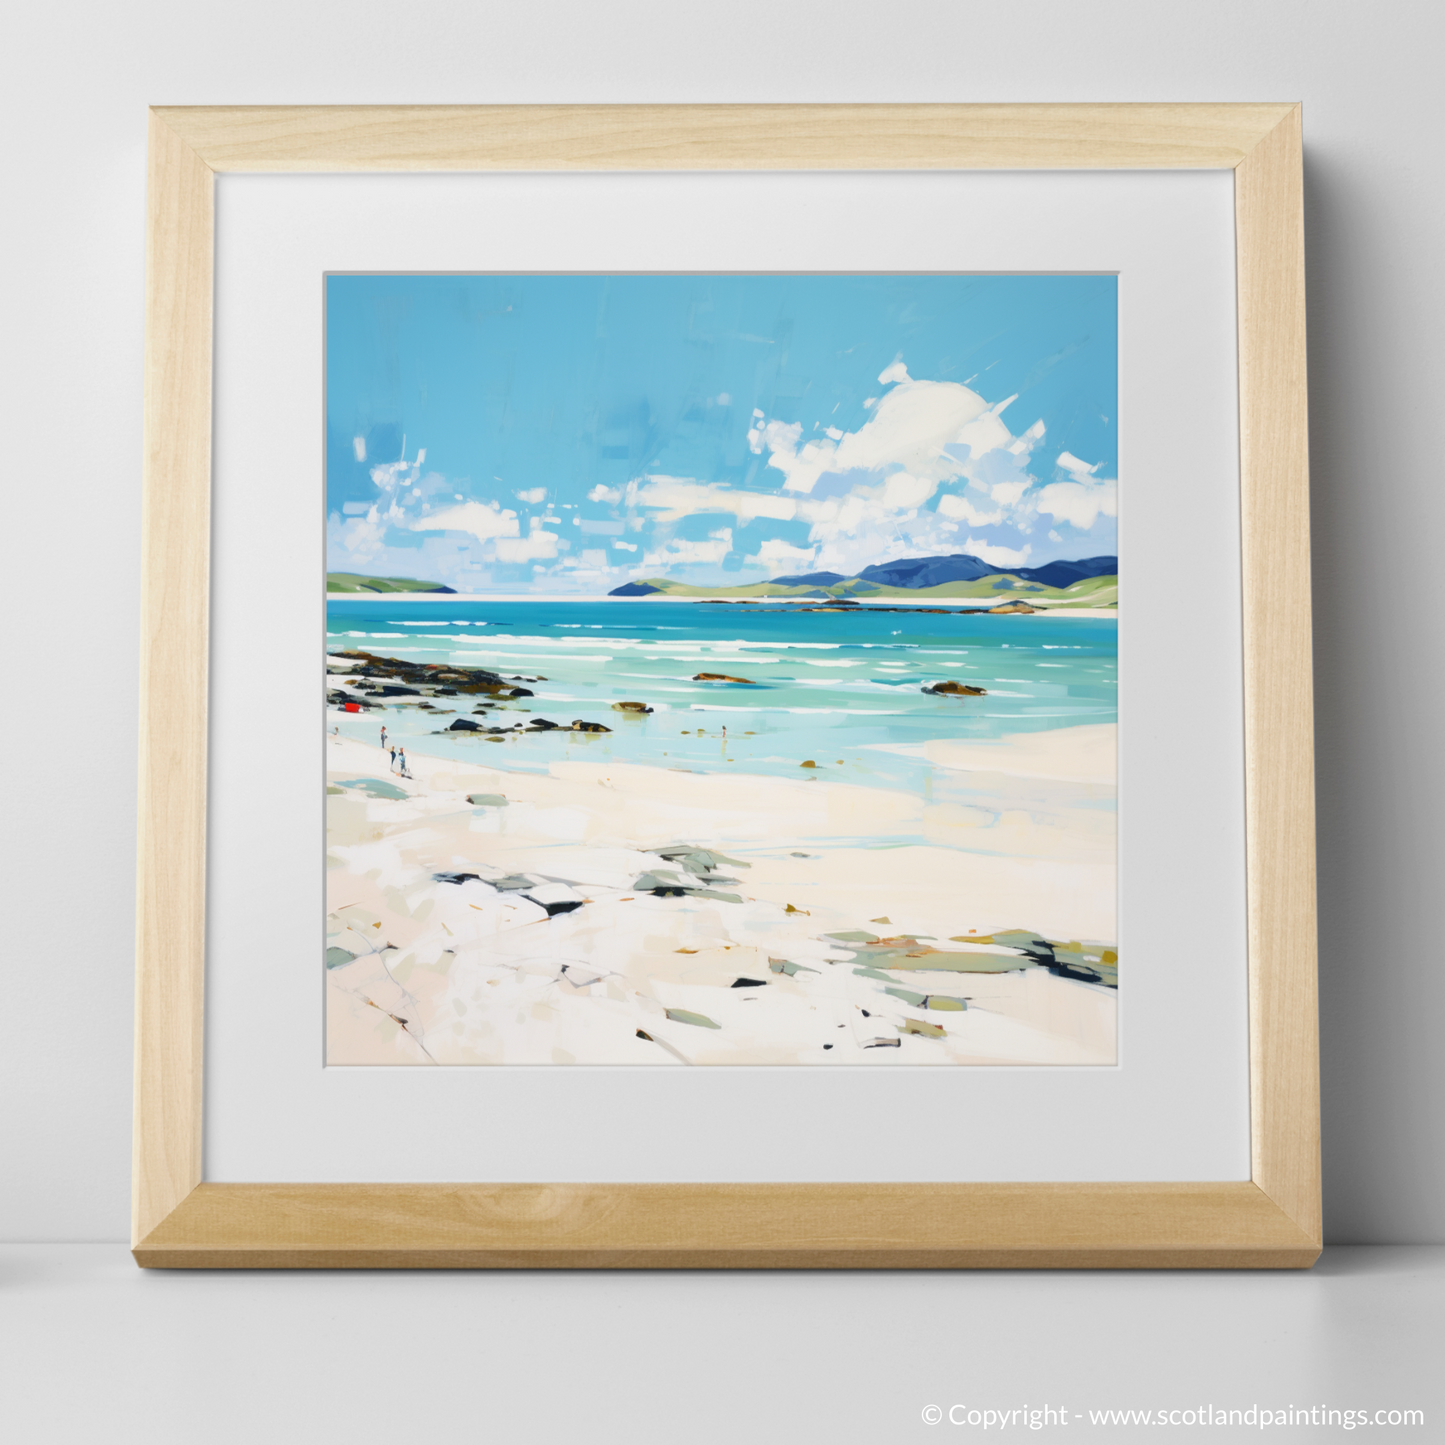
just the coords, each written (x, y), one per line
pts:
(1271, 1221)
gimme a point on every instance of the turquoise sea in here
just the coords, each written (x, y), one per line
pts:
(834, 687)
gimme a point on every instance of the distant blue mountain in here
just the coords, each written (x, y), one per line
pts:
(920, 572)
(1065, 574)
(809, 579)
(928, 571)
(961, 567)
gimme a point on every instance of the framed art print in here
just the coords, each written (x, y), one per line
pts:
(687, 782)
(668, 756)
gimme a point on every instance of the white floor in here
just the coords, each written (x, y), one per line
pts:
(94, 1350)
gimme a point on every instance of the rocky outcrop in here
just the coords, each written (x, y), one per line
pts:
(393, 677)
(955, 689)
(632, 707)
(722, 677)
(1017, 605)
(578, 726)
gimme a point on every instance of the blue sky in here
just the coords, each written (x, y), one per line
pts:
(564, 434)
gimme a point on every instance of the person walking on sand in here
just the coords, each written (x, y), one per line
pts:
(393, 757)
(383, 736)
(401, 757)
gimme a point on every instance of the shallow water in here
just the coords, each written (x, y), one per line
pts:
(826, 686)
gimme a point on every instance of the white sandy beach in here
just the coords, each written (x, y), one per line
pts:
(468, 972)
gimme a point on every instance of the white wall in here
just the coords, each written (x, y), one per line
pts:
(78, 79)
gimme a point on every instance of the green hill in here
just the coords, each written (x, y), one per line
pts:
(995, 588)
(354, 582)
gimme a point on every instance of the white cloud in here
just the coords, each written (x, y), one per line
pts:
(537, 545)
(997, 556)
(687, 554)
(1009, 492)
(481, 519)
(358, 445)
(532, 495)
(951, 504)
(896, 372)
(679, 497)
(393, 476)
(986, 431)
(930, 429)
(1077, 469)
(1081, 500)
(625, 546)
(599, 493)
(779, 556)
(363, 537)
(903, 492)
(1078, 503)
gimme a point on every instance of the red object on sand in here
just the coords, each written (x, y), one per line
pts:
(353, 707)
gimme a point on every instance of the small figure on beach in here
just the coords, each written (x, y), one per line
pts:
(383, 735)
(393, 757)
(401, 759)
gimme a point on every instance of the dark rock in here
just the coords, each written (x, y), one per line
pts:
(723, 677)
(396, 677)
(465, 725)
(955, 689)
(578, 726)
(750, 983)
(1017, 605)
(637, 707)
(542, 724)
(454, 877)
(336, 698)
(555, 898)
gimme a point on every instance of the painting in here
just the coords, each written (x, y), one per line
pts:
(721, 669)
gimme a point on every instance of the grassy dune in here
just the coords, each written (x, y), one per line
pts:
(354, 582)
